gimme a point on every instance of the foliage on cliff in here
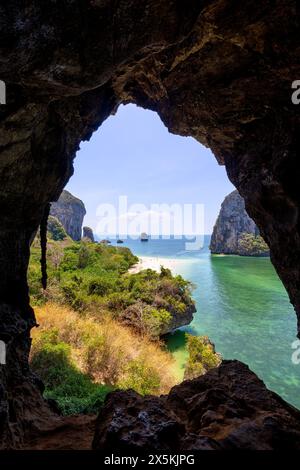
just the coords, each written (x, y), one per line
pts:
(202, 356)
(55, 229)
(156, 302)
(93, 278)
(80, 359)
(251, 245)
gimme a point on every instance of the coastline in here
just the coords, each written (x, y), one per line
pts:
(175, 341)
(155, 262)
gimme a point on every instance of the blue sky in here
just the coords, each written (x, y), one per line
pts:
(133, 154)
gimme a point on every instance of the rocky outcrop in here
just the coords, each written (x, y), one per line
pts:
(137, 317)
(219, 71)
(228, 408)
(232, 224)
(70, 211)
(88, 234)
(179, 319)
(232, 221)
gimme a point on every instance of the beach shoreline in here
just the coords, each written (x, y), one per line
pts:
(155, 263)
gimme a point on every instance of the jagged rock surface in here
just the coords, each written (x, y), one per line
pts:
(219, 71)
(232, 222)
(227, 408)
(70, 211)
(88, 234)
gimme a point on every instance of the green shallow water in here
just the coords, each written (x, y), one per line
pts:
(244, 309)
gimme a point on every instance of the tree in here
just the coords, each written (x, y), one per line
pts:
(202, 356)
(251, 245)
(55, 229)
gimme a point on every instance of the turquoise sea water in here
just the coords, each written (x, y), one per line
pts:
(242, 306)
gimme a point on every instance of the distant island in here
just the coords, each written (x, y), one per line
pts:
(144, 237)
(235, 233)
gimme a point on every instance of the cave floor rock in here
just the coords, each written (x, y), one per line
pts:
(226, 409)
(65, 433)
(229, 408)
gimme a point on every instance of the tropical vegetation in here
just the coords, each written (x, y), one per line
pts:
(100, 325)
(202, 356)
(252, 245)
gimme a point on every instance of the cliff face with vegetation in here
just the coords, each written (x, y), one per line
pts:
(235, 232)
(70, 211)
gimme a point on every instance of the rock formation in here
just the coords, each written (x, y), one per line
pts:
(133, 314)
(179, 319)
(220, 71)
(88, 234)
(232, 224)
(70, 211)
(228, 408)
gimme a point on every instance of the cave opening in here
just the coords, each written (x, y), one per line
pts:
(241, 304)
(220, 72)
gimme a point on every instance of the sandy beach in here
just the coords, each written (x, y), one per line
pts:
(153, 262)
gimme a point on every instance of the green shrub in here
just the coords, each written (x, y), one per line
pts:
(94, 276)
(141, 378)
(118, 301)
(83, 256)
(165, 273)
(73, 391)
(156, 320)
(70, 260)
(55, 229)
(202, 356)
(99, 286)
(251, 245)
(74, 355)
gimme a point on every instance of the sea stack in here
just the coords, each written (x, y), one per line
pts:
(88, 234)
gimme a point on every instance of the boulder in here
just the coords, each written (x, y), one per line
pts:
(228, 408)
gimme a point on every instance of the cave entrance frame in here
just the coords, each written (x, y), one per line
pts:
(220, 72)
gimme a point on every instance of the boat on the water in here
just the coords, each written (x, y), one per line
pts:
(144, 237)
